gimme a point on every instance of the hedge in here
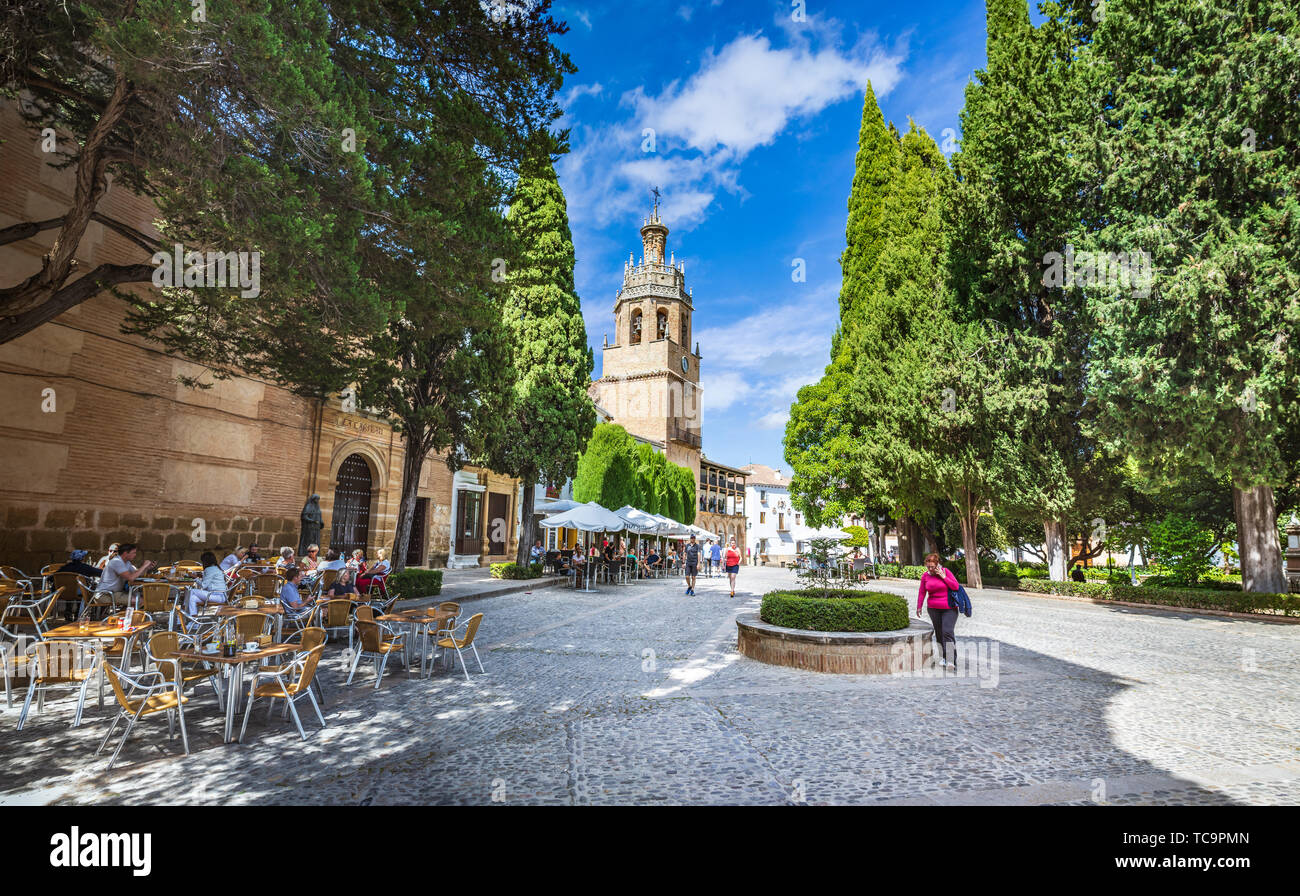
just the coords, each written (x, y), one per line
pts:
(1191, 598)
(915, 572)
(836, 610)
(413, 584)
(515, 571)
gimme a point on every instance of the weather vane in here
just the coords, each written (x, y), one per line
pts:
(655, 192)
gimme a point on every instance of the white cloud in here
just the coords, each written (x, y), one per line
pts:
(773, 353)
(577, 92)
(745, 95)
(685, 12)
(722, 390)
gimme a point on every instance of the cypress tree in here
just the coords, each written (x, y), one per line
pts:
(606, 470)
(1198, 157)
(821, 436)
(548, 416)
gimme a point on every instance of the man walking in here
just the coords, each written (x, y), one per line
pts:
(691, 555)
(715, 559)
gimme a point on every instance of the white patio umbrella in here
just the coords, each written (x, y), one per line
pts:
(671, 528)
(560, 505)
(589, 517)
(638, 521)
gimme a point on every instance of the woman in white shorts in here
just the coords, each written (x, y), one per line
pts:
(210, 589)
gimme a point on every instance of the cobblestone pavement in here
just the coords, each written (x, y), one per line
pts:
(636, 694)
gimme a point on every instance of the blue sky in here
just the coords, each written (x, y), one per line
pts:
(756, 119)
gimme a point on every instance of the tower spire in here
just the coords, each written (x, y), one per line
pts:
(654, 235)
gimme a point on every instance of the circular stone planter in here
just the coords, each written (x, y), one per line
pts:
(862, 653)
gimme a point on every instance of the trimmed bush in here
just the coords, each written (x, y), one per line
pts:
(835, 611)
(515, 571)
(1191, 598)
(413, 584)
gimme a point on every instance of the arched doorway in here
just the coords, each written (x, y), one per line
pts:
(350, 526)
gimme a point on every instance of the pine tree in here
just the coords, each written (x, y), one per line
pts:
(1198, 157)
(547, 414)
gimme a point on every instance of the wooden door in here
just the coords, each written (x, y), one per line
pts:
(498, 523)
(350, 526)
(469, 523)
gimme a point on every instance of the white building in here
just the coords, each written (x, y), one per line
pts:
(775, 530)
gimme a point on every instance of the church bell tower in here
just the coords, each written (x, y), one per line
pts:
(650, 379)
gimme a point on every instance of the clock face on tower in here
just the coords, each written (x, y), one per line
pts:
(686, 365)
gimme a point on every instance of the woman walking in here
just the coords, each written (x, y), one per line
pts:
(733, 563)
(936, 582)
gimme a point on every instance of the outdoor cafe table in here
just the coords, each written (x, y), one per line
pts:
(236, 664)
(417, 620)
(275, 610)
(86, 630)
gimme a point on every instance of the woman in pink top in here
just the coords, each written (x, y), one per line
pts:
(936, 582)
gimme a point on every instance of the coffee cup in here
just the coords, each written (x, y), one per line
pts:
(251, 645)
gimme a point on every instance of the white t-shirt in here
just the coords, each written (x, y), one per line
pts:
(112, 579)
(331, 564)
(231, 561)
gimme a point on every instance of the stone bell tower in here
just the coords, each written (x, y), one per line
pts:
(650, 379)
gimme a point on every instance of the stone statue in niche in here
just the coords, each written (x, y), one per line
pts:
(311, 525)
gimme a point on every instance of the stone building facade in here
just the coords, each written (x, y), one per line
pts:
(100, 442)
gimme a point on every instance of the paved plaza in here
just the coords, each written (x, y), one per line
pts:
(636, 695)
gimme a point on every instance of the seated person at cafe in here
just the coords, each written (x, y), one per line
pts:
(577, 563)
(234, 559)
(343, 585)
(536, 553)
(332, 561)
(77, 563)
(121, 572)
(289, 595)
(103, 561)
(253, 555)
(653, 560)
(210, 589)
(610, 554)
(310, 561)
(285, 560)
(374, 576)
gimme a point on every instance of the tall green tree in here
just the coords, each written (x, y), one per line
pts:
(607, 468)
(233, 124)
(822, 435)
(1197, 153)
(547, 417)
(1019, 194)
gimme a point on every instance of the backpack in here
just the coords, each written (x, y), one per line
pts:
(959, 600)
